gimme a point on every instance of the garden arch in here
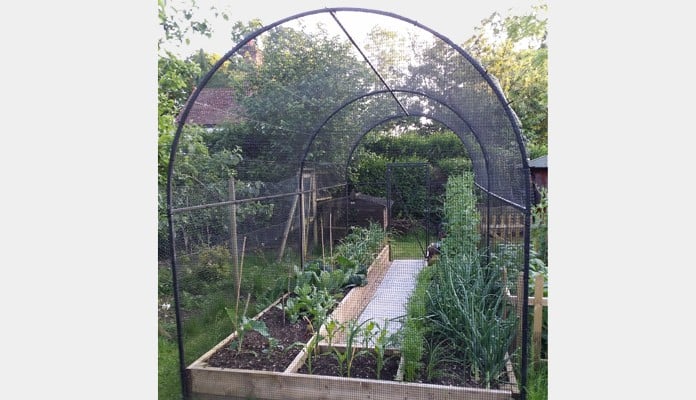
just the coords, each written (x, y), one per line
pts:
(304, 91)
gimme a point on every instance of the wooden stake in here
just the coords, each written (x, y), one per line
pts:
(241, 262)
(238, 283)
(233, 224)
(538, 315)
(521, 302)
(313, 212)
(287, 229)
(305, 222)
(330, 235)
(505, 290)
(323, 255)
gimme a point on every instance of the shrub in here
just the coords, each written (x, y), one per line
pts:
(362, 245)
(454, 166)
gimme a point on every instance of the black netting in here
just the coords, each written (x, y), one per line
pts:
(260, 174)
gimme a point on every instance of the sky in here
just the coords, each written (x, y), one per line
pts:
(455, 20)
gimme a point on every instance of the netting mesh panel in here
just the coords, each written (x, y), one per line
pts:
(259, 181)
(284, 85)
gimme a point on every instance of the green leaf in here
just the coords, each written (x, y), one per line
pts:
(260, 327)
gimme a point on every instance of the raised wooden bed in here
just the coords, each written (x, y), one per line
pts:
(205, 379)
(294, 386)
(206, 382)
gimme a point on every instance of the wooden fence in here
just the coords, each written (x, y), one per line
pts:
(503, 225)
(538, 301)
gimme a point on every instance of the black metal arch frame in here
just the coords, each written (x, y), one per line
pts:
(494, 86)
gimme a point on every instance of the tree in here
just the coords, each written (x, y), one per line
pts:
(176, 80)
(513, 49)
(303, 76)
(179, 21)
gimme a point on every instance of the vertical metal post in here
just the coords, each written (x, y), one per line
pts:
(302, 222)
(427, 205)
(525, 293)
(389, 215)
(488, 227)
(347, 204)
(389, 208)
(177, 307)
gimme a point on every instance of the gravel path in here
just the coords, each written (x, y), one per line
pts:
(389, 301)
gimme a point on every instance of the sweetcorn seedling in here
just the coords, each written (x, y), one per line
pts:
(345, 358)
(312, 346)
(333, 328)
(382, 340)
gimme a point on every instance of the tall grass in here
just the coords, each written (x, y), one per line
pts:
(206, 323)
(538, 382)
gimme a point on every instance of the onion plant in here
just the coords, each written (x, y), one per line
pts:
(467, 306)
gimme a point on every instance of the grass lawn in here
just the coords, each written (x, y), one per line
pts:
(169, 385)
(408, 246)
(207, 323)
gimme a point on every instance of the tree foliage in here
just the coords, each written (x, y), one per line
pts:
(302, 76)
(305, 74)
(442, 151)
(180, 20)
(513, 49)
(196, 165)
(176, 79)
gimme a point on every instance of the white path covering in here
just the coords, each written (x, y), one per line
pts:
(389, 301)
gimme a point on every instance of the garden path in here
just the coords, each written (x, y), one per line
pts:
(389, 301)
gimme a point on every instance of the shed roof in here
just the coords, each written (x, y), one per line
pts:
(539, 162)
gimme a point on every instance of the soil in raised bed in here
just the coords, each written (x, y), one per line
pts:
(364, 366)
(255, 353)
(449, 374)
